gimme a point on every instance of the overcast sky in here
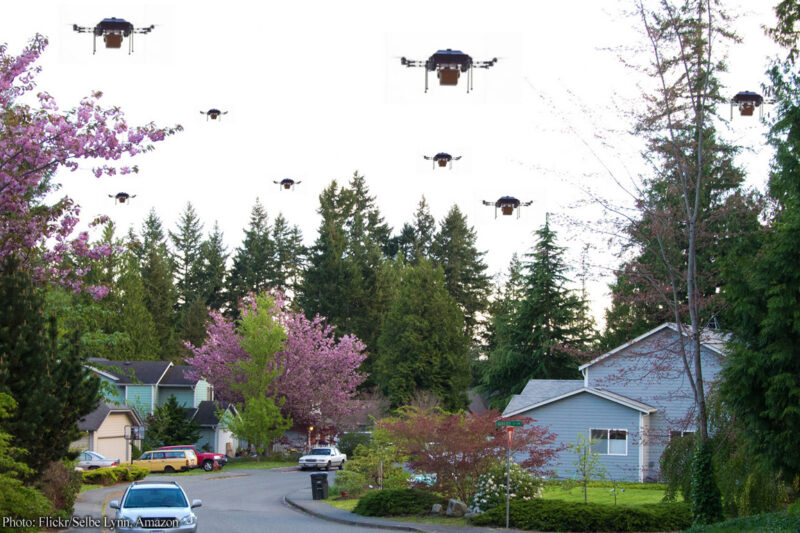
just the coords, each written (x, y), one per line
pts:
(315, 91)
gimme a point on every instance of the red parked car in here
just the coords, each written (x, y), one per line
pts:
(205, 460)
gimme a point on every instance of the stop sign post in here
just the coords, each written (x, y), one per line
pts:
(509, 425)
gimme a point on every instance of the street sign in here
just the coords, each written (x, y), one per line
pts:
(512, 423)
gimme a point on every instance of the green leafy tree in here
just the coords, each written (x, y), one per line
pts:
(262, 337)
(17, 501)
(53, 387)
(169, 425)
(454, 249)
(587, 463)
(539, 335)
(422, 345)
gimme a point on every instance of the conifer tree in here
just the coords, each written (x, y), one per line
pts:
(52, 388)
(423, 346)
(186, 241)
(211, 270)
(133, 317)
(253, 267)
(454, 249)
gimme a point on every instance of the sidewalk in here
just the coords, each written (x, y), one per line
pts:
(302, 500)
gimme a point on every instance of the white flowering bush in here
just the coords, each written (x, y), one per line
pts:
(491, 488)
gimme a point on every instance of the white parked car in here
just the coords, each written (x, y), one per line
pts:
(323, 458)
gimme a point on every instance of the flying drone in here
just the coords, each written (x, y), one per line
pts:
(747, 102)
(287, 183)
(121, 197)
(449, 64)
(113, 30)
(507, 204)
(213, 113)
(443, 159)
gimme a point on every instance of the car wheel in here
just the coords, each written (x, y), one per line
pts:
(341, 465)
(208, 466)
(168, 469)
(328, 466)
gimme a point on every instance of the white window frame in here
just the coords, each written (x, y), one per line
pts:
(608, 440)
(682, 433)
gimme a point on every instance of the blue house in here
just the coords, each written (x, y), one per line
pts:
(631, 401)
(144, 385)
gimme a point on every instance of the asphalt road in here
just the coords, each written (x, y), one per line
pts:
(235, 500)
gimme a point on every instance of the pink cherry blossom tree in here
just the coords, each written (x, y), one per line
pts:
(37, 141)
(318, 374)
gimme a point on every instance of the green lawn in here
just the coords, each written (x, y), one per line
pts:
(89, 486)
(604, 495)
(349, 505)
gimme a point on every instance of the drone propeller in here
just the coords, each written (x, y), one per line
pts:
(146, 29)
(456, 158)
(82, 29)
(427, 157)
(487, 203)
(526, 203)
(484, 64)
(411, 62)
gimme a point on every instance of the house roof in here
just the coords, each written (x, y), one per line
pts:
(176, 376)
(610, 396)
(95, 419)
(538, 390)
(133, 372)
(206, 412)
(714, 340)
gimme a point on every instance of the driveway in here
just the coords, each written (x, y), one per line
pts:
(234, 500)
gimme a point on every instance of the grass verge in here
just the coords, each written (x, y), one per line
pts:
(90, 486)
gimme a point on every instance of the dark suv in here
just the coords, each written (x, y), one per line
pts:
(204, 459)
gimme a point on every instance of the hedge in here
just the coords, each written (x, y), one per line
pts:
(394, 502)
(115, 474)
(558, 515)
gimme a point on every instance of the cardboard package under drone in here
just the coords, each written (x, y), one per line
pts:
(507, 209)
(442, 162)
(113, 40)
(449, 76)
(746, 109)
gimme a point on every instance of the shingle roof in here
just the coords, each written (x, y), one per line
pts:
(136, 372)
(520, 406)
(94, 420)
(539, 390)
(176, 375)
(206, 413)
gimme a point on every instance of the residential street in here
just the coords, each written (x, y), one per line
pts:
(236, 500)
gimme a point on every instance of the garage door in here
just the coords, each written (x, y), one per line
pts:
(113, 448)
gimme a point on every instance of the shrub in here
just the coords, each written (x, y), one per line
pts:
(351, 481)
(60, 483)
(491, 488)
(781, 522)
(115, 474)
(379, 463)
(558, 515)
(348, 442)
(397, 502)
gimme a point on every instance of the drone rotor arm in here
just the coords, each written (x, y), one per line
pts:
(146, 29)
(526, 203)
(456, 158)
(411, 62)
(427, 157)
(82, 29)
(487, 203)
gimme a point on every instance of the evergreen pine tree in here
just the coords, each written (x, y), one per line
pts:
(253, 267)
(422, 345)
(186, 241)
(52, 388)
(454, 249)
(211, 270)
(133, 317)
(169, 425)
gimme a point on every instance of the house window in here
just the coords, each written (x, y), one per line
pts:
(610, 441)
(677, 434)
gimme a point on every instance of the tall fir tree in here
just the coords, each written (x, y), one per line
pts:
(423, 346)
(133, 317)
(186, 242)
(424, 230)
(253, 267)
(538, 335)
(289, 254)
(211, 270)
(454, 249)
(52, 388)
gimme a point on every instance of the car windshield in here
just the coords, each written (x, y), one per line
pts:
(321, 451)
(155, 497)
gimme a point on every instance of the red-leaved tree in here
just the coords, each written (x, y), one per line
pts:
(318, 377)
(459, 448)
(34, 143)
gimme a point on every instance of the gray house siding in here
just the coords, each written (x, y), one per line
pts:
(579, 414)
(651, 371)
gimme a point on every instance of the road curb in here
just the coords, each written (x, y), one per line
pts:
(306, 510)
